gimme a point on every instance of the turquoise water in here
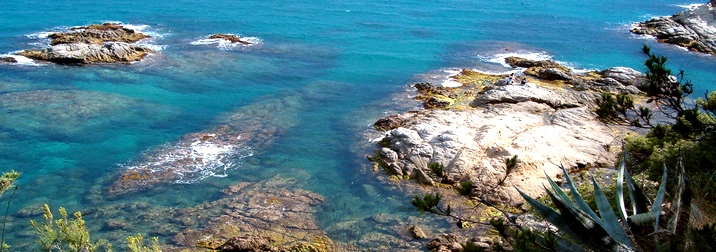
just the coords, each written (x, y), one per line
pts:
(71, 130)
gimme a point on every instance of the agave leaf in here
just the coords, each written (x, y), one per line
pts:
(638, 199)
(611, 224)
(550, 215)
(642, 219)
(590, 232)
(567, 245)
(620, 187)
(558, 190)
(579, 200)
(681, 205)
(656, 207)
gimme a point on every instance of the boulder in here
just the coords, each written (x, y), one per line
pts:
(388, 123)
(624, 75)
(416, 232)
(248, 243)
(553, 74)
(530, 92)
(8, 59)
(527, 63)
(694, 29)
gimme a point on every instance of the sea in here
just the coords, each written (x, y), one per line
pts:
(318, 75)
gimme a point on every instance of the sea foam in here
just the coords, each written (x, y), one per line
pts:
(227, 45)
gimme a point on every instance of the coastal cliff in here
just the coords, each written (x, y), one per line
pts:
(694, 29)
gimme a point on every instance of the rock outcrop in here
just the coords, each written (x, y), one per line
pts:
(8, 59)
(106, 43)
(694, 29)
(545, 123)
(230, 37)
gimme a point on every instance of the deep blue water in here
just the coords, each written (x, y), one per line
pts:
(342, 60)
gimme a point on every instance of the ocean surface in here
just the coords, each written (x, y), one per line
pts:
(342, 65)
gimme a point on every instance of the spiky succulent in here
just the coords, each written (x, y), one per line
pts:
(603, 232)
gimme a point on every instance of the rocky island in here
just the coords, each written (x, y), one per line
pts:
(694, 29)
(97, 43)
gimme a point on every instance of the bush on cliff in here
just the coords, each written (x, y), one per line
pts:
(682, 128)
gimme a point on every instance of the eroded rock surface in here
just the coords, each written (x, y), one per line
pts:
(694, 29)
(105, 43)
(545, 123)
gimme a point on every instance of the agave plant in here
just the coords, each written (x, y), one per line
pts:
(604, 231)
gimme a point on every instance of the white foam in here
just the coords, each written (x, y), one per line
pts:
(692, 6)
(227, 45)
(450, 82)
(207, 160)
(22, 60)
(500, 58)
(40, 35)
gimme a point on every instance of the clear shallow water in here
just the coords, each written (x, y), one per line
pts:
(70, 130)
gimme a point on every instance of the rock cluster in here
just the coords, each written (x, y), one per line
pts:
(105, 43)
(694, 29)
(545, 123)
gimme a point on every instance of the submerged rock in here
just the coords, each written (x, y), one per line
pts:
(250, 214)
(105, 43)
(694, 29)
(210, 152)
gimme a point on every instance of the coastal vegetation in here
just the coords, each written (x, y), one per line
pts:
(678, 127)
(675, 213)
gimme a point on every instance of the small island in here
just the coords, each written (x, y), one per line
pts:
(97, 43)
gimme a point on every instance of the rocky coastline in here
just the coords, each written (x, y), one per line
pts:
(471, 130)
(97, 43)
(541, 115)
(693, 29)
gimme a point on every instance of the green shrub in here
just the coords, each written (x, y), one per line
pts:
(64, 233)
(437, 168)
(465, 188)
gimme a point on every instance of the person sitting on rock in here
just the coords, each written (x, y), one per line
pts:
(524, 81)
